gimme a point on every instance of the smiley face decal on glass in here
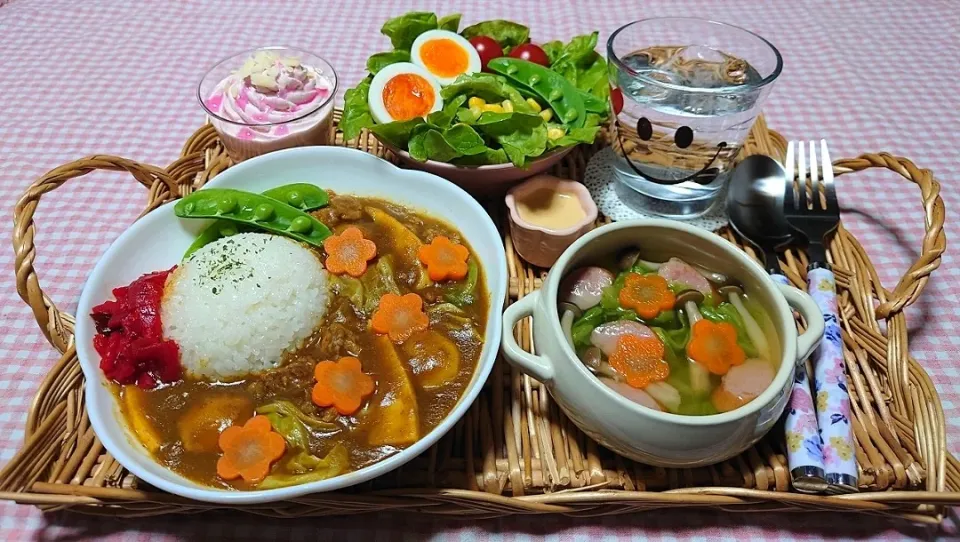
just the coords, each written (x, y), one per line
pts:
(682, 138)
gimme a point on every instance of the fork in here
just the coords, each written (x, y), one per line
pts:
(816, 216)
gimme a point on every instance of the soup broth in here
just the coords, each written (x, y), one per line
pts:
(417, 381)
(669, 335)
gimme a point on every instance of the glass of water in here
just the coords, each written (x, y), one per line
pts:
(686, 92)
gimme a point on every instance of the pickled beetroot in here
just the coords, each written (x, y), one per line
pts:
(130, 335)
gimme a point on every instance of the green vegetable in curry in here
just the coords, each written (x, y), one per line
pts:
(248, 209)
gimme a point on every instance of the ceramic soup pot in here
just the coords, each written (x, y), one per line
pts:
(643, 434)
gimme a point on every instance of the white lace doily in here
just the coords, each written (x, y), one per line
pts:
(600, 179)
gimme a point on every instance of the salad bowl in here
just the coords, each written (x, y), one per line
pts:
(481, 180)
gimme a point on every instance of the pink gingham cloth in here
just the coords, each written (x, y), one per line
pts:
(112, 77)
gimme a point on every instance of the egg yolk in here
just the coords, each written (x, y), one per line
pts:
(444, 58)
(407, 96)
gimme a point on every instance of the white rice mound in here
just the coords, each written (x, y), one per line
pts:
(237, 304)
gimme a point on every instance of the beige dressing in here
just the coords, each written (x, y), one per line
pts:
(552, 209)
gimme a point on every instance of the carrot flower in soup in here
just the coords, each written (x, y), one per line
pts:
(640, 360)
(349, 252)
(445, 260)
(648, 295)
(341, 384)
(399, 317)
(714, 346)
(250, 450)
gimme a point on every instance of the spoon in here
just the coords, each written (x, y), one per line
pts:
(755, 207)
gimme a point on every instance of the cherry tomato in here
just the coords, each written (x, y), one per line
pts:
(616, 99)
(487, 48)
(531, 53)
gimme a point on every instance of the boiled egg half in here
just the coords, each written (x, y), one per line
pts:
(445, 54)
(403, 91)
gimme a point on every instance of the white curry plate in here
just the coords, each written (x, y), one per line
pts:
(158, 240)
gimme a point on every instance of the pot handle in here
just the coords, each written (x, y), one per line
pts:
(536, 366)
(801, 301)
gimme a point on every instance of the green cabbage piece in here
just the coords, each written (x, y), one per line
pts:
(309, 468)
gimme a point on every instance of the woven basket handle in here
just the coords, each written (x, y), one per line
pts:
(934, 241)
(57, 326)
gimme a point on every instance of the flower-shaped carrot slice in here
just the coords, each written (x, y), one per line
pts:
(648, 295)
(341, 384)
(349, 252)
(399, 317)
(714, 346)
(445, 260)
(640, 360)
(250, 450)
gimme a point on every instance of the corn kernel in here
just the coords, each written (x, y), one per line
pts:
(476, 110)
(496, 108)
(546, 115)
(476, 101)
(533, 103)
(507, 106)
(555, 133)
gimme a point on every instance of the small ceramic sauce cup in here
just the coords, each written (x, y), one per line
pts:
(632, 430)
(538, 244)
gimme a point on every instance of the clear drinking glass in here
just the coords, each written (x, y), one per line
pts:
(690, 90)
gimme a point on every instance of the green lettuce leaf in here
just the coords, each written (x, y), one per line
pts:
(492, 88)
(579, 63)
(486, 158)
(553, 49)
(524, 143)
(575, 136)
(500, 124)
(445, 117)
(356, 111)
(381, 60)
(454, 142)
(507, 33)
(397, 133)
(449, 22)
(403, 30)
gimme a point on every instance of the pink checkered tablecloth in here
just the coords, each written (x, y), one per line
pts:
(115, 77)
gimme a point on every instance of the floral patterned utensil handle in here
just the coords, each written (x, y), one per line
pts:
(830, 386)
(804, 448)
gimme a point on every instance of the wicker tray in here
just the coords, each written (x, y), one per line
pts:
(514, 452)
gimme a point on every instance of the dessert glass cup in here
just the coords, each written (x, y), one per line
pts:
(312, 126)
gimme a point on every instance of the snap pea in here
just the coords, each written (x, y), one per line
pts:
(304, 196)
(551, 87)
(243, 210)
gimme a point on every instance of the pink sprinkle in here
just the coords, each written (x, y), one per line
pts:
(215, 102)
(260, 117)
(242, 100)
(245, 133)
(281, 130)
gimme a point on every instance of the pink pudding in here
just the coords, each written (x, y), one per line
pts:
(270, 99)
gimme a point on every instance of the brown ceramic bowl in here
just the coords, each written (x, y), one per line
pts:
(481, 180)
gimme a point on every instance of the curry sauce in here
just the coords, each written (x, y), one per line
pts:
(417, 382)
